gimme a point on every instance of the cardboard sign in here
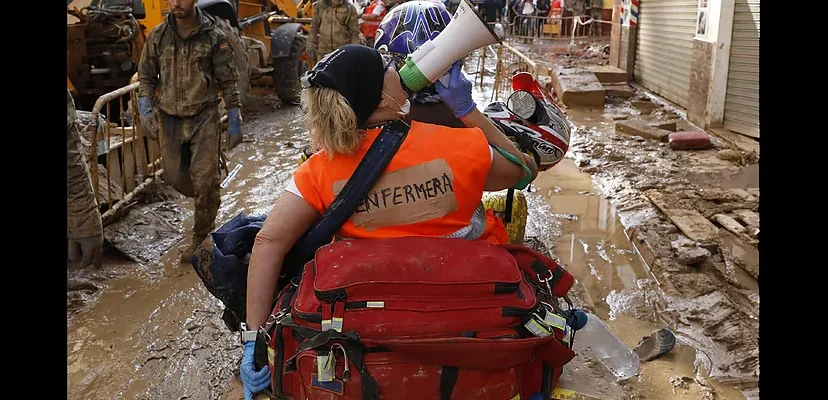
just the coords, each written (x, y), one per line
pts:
(406, 196)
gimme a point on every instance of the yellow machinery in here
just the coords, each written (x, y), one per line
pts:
(268, 37)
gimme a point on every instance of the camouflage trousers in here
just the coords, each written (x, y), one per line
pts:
(84, 218)
(191, 148)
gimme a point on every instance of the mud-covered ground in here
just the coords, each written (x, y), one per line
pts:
(148, 329)
(145, 328)
(707, 293)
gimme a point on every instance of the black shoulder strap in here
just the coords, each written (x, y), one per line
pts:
(365, 176)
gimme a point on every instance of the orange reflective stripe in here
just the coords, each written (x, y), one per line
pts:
(438, 171)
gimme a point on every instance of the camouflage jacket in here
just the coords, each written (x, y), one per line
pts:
(333, 27)
(188, 72)
(83, 217)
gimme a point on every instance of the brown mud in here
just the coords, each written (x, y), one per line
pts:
(150, 331)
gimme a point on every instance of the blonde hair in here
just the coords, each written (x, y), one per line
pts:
(331, 121)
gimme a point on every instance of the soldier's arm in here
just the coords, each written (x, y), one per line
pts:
(148, 69)
(84, 219)
(314, 30)
(353, 24)
(224, 70)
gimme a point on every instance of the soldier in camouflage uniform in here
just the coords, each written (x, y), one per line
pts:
(335, 23)
(185, 62)
(84, 229)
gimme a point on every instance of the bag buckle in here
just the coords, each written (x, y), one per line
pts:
(546, 281)
(274, 319)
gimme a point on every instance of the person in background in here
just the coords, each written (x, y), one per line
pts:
(543, 12)
(371, 18)
(186, 62)
(595, 9)
(491, 10)
(83, 229)
(511, 9)
(335, 23)
(524, 9)
(348, 98)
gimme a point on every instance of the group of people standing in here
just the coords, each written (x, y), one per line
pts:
(522, 13)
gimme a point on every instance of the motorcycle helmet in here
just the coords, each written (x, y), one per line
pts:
(404, 29)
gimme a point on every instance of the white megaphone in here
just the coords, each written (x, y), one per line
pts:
(465, 33)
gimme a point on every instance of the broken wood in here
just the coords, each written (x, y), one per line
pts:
(641, 128)
(748, 217)
(730, 224)
(689, 221)
(742, 254)
(128, 155)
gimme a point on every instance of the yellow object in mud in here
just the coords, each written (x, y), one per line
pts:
(566, 394)
(520, 212)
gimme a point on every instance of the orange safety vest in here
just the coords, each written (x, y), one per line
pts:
(369, 28)
(431, 187)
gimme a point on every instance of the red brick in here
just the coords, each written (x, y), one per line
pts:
(698, 140)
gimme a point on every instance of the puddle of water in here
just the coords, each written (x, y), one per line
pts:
(598, 253)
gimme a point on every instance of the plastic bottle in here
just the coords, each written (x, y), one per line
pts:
(596, 340)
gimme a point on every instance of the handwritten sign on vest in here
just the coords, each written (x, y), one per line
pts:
(406, 196)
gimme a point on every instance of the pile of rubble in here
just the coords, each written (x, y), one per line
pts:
(692, 215)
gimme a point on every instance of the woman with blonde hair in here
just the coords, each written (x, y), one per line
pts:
(432, 187)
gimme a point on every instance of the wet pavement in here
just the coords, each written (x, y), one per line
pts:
(151, 331)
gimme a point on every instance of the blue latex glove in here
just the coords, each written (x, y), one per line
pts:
(234, 120)
(149, 124)
(458, 94)
(253, 381)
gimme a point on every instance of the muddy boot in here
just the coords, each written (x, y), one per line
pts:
(188, 251)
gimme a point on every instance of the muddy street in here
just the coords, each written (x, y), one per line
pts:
(149, 330)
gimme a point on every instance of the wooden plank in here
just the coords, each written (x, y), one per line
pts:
(141, 156)
(641, 128)
(730, 224)
(102, 188)
(114, 176)
(129, 166)
(749, 217)
(742, 254)
(689, 221)
(153, 150)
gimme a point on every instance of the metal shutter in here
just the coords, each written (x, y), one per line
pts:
(665, 42)
(742, 100)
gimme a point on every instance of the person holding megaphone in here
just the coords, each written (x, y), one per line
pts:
(432, 186)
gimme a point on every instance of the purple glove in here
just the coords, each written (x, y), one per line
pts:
(458, 93)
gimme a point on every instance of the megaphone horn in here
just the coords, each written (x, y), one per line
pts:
(466, 32)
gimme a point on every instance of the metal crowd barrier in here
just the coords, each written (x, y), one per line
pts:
(510, 61)
(123, 162)
(532, 27)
